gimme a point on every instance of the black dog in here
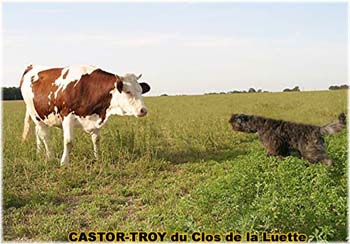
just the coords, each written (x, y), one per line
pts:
(281, 137)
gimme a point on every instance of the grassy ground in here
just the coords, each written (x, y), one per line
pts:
(182, 169)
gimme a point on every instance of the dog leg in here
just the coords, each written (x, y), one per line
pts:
(274, 152)
(277, 150)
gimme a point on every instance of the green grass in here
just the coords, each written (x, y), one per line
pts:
(182, 169)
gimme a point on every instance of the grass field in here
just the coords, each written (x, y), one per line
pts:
(182, 169)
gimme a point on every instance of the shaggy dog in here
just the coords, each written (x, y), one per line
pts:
(281, 137)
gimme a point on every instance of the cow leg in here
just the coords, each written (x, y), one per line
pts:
(67, 126)
(95, 137)
(27, 121)
(38, 140)
(42, 135)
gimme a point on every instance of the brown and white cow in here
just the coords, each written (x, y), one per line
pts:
(82, 96)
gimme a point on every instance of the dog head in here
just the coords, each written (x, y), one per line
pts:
(243, 123)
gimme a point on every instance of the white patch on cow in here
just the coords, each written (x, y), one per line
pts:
(49, 97)
(89, 123)
(74, 75)
(53, 119)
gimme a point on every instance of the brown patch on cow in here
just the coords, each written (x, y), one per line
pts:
(29, 67)
(42, 87)
(65, 74)
(90, 95)
(87, 96)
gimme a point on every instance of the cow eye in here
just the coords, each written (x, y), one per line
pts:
(128, 92)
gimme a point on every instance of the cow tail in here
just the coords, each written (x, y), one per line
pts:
(26, 127)
(335, 126)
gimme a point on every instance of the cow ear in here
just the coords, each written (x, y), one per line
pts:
(145, 87)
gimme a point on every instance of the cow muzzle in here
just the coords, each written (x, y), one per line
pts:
(142, 112)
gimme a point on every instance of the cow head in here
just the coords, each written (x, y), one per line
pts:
(127, 97)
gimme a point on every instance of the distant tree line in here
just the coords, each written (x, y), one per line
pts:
(14, 93)
(11, 93)
(296, 88)
(250, 90)
(339, 87)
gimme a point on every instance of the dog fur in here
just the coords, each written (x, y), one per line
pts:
(281, 137)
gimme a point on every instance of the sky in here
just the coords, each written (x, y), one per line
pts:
(184, 48)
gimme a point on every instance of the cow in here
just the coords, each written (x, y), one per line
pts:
(84, 96)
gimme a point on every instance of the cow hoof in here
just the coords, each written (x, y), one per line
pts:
(63, 163)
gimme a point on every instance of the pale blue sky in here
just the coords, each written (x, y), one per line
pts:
(184, 48)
